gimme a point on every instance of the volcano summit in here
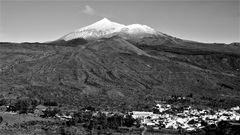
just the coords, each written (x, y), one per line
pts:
(106, 28)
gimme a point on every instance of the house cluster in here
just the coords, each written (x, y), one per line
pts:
(169, 117)
(185, 118)
(164, 116)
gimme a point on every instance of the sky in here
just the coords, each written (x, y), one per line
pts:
(209, 21)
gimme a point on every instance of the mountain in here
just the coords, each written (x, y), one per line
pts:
(122, 67)
(106, 28)
(134, 33)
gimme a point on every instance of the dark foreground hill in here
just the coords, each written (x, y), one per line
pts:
(116, 73)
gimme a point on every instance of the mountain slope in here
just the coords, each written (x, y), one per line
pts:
(114, 72)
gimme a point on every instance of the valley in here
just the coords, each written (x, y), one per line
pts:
(113, 68)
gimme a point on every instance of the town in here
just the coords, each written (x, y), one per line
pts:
(186, 118)
(163, 118)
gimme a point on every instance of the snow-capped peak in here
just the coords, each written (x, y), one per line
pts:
(103, 24)
(106, 28)
(138, 28)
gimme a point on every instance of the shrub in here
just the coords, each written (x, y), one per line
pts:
(190, 95)
(50, 112)
(3, 102)
(50, 103)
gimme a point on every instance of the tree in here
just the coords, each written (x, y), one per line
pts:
(1, 119)
(103, 120)
(129, 120)
(23, 105)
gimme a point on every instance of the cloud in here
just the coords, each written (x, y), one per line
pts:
(88, 10)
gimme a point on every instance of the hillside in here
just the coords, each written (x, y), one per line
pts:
(120, 73)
